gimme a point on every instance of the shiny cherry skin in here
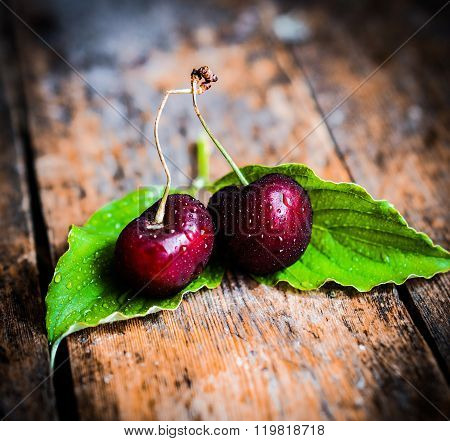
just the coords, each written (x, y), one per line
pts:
(262, 227)
(160, 262)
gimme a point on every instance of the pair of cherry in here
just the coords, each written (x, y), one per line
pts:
(261, 227)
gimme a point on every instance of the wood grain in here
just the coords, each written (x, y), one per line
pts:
(245, 351)
(393, 132)
(25, 389)
(242, 351)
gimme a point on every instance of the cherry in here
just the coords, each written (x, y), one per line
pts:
(264, 226)
(161, 260)
(166, 247)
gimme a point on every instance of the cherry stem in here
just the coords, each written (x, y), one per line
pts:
(159, 217)
(213, 138)
(207, 77)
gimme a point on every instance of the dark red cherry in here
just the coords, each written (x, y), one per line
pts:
(162, 261)
(264, 226)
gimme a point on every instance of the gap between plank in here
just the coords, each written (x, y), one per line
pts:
(414, 312)
(322, 114)
(403, 291)
(62, 379)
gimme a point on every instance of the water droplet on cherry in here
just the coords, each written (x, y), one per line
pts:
(153, 263)
(264, 226)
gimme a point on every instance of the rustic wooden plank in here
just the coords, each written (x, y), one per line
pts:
(242, 351)
(26, 392)
(394, 131)
(245, 351)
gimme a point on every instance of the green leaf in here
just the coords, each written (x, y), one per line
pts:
(356, 241)
(84, 293)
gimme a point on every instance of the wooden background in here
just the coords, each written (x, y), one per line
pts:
(242, 351)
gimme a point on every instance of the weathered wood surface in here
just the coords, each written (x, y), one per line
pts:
(242, 351)
(394, 131)
(24, 358)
